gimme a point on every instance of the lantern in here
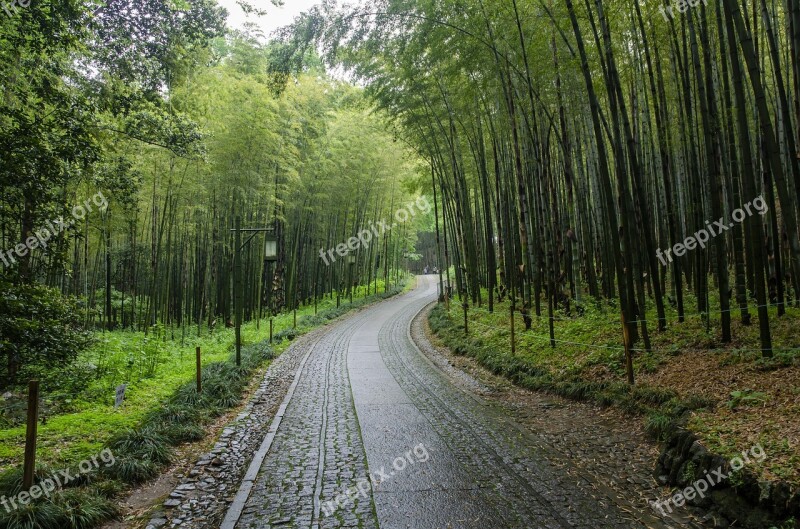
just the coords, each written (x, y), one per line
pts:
(271, 248)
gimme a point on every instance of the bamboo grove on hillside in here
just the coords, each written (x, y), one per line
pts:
(570, 141)
(182, 128)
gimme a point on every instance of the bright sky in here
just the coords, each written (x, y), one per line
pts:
(275, 18)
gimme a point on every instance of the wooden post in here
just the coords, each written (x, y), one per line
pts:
(270, 331)
(199, 371)
(29, 471)
(513, 339)
(626, 338)
(466, 317)
(352, 280)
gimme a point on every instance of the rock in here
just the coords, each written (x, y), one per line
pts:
(734, 507)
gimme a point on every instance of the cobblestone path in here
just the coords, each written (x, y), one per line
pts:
(373, 435)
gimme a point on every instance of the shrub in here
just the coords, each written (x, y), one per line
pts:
(145, 444)
(289, 334)
(129, 469)
(82, 509)
(39, 328)
(65, 509)
(182, 433)
(175, 413)
(11, 480)
(37, 515)
(659, 426)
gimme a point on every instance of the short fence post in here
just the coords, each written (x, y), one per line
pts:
(29, 471)
(270, 331)
(626, 338)
(513, 340)
(466, 318)
(199, 371)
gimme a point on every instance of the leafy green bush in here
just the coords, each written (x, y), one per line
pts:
(130, 469)
(39, 328)
(36, 515)
(83, 509)
(64, 509)
(659, 426)
(177, 433)
(289, 334)
(144, 443)
(313, 320)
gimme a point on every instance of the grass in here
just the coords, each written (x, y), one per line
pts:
(161, 411)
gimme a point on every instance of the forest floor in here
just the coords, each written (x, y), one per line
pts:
(737, 399)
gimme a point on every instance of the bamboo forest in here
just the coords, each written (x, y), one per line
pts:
(422, 264)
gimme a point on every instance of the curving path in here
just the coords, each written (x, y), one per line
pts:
(373, 435)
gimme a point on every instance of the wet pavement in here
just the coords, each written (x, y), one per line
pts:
(372, 434)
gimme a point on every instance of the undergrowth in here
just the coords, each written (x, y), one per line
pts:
(663, 409)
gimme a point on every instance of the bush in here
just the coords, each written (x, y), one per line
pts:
(38, 515)
(64, 509)
(177, 434)
(131, 470)
(289, 334)
(39, 328)
(11, 480)
(145, 444)
(83, 509)
(659, 426)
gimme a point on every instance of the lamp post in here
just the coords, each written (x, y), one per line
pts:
(270, 256)
(238, 286)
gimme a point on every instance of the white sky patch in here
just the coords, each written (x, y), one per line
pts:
(276, 17)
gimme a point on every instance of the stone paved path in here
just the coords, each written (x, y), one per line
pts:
(373, 435)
